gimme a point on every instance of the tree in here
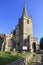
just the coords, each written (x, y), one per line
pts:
(41, 43)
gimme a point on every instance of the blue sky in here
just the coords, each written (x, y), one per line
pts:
(11, 11)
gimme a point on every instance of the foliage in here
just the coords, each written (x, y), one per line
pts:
(41, 43)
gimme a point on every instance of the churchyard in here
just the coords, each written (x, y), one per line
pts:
(7, 58)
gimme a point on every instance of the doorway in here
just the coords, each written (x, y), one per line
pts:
(34, 47)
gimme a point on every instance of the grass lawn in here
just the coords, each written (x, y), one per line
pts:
(6, 58)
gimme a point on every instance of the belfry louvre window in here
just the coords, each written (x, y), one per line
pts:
(27, 21)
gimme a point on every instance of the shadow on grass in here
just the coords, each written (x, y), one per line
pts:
(8, 58)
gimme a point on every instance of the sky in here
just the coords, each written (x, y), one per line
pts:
(11, 11)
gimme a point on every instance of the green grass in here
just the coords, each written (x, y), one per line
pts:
(6, 58)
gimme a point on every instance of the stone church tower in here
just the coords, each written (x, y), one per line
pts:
(22, 37)
(26, 33)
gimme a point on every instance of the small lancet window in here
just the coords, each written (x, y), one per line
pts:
(27, 21)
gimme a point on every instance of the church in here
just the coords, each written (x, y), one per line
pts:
(21, 38)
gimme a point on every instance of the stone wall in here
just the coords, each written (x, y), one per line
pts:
(22, 61)
(9, 44)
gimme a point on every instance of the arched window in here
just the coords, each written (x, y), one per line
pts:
(27, 21)
(10, 43)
